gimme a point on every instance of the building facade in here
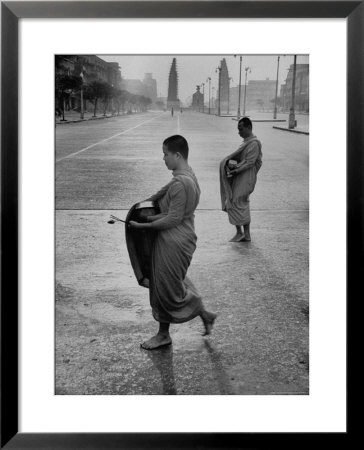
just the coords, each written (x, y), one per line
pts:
(90, 68)
(146, 87)
(302, 103)
(260, 95)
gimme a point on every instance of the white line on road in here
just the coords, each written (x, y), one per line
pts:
(107, 139)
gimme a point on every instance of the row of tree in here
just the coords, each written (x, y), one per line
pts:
(96, 91)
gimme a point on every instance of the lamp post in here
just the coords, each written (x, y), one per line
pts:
(209, 80)
(246, 77)
(219, 81)
(228, 108)
(213, 98)
(275, 101)
(291, 120)
(203, 97)
(238, 113)
(81, 99)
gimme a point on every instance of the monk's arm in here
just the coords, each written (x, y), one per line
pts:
(176, 210)
(175, 213)
(156, 217)
(251, 156)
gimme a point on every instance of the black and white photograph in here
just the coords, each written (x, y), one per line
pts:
(182, 224)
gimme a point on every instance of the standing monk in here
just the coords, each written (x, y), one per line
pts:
(173, 297)
(238, 175)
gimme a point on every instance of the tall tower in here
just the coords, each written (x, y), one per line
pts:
(172, 99)
(225, 85)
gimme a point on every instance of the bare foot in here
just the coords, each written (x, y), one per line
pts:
(237, 238)
(159, 340)
(208, 320)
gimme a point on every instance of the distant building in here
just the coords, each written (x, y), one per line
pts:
(172, 99)
(133, 86)
(302, 103)
(146, 87)
(90, 68)
(150, 85)
(197, 100)
(260, 96)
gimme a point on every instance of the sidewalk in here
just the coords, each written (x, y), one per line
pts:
(298, 130)
(74, 117)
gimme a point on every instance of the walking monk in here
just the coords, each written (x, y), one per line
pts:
(173, 297)
(238, 175)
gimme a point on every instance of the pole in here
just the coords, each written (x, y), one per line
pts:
(228, 95)
(81, 115)
(219, 107)
(241, 58)
(209, 94)
(203, 97)
(275, 101)
(292, 121)
(246, 76)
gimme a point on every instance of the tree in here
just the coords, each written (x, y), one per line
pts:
(107, 94)
(132, 100)
(144, 102)
(120, 96)
(65, 85)
(94, 91)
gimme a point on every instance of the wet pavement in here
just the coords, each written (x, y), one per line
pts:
(259, 289)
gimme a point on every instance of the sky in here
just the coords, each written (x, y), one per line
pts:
(194, 70)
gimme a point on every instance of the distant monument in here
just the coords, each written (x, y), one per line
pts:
(172, 99)
(225, 86)
(197, 100)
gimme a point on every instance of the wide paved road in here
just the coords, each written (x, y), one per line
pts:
(113, 163)
(260, 289)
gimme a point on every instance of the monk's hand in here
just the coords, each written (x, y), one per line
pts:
(136, 225)
(236, 171)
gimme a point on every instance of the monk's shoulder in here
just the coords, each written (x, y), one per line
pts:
(176, 186)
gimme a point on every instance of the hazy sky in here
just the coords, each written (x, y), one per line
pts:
(193, 70)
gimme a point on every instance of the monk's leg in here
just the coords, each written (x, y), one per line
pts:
(161, 339)
(247, 237)
(239, 234)
(208, 318)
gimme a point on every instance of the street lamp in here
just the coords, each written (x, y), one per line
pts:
(246, 76)
(228, 108)
(291, 120)
(219, 108)
(203, 97)
(209, 80)
(275, 101)
(238, 113)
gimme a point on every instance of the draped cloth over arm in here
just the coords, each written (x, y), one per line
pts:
(173, 297)
(235, 191)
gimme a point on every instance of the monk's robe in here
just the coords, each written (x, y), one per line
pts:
(235, 190)
(173, 297)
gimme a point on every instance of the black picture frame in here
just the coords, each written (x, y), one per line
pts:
(11, 12)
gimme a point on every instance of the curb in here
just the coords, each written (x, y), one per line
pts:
(291, 130)
(266, 120)
(66, 122)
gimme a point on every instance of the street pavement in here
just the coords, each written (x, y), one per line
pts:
(259, 344)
